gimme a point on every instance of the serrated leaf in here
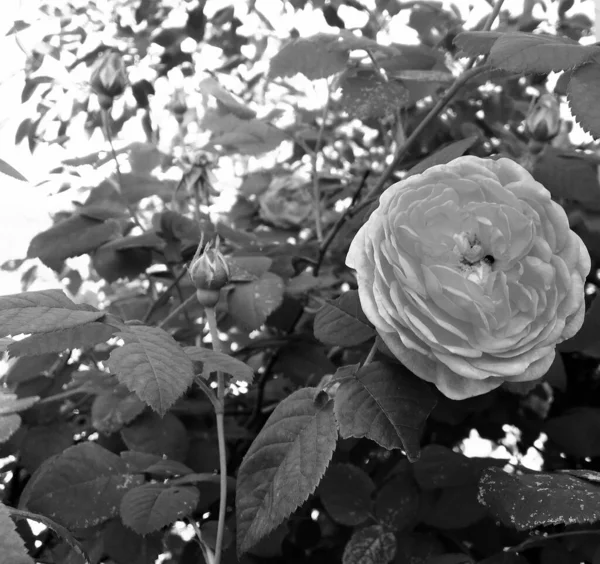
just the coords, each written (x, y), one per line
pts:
(528, 52)
(534, 500)
(151, 507)
(342, 322)
(247, 269)
(584, 83)
(576, 432)
(58, 341)
(152, 365)
(64, 485)
(250, 304)
(214, 361)
(339, 480)
(314, 57)
(387, 404)
(41, 312)
(444, 155)
(284, 464)
(371, 545)
(475, 43)
(78, 235)
(5, 168)
(366, 95)
(12, 546)
(113, 410)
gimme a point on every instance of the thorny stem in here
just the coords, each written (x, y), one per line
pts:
(315, 172)
(107, 134)
(219, 412)
(164, 296)
(489, 22)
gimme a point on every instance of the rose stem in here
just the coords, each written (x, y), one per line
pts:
(219, 412)
(315, 172)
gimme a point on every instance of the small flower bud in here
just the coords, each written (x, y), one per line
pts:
(178, 105)
(109, 78)
(543, 120)
(209, 271)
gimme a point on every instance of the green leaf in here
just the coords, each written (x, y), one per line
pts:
(136, 187)
(366, 95)
(581, 93)
(12, 546)
(41, 312)
(64, 485)
(124, 546)
(162, 436)
(387, 404)
(78, 235)
(247, 269)
(444, 155)
(151, 507)
(226, 100)
(41, 442)
(5, 168)
(59, 341)
(126, 263)
(528, 52)
(398, 502)
(251, 303)
(113, 410)
(371, 545)
(247, 137)
(475, 43)
(342, 322)
(214, 361)
(576, 432)
(568, 176)
(148, 240)
(534, 500)
(453, 508)
(152, 365)
(9, 425)
(339, 480)
(284, 464)
(314, 57)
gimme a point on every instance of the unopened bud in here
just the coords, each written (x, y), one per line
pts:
(543, 120)
(178, 105)
(209, 273)
(109, 78)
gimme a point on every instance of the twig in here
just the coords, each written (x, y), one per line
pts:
(107, 134)
(219, 412)
(315, 173)
(339, 223)
(210, 394)
(489, 22)
(442, 103)
(63, 395)
(371, 354)
(177, 311)
(164, 296)
(528, 543)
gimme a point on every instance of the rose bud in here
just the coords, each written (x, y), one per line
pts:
(178, 105)
(109, 78)
(471, 275)
(543, 121)
(209, 273)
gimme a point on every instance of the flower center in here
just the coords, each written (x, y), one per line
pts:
(474, 263)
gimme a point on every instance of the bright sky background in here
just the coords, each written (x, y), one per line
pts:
(25, 207)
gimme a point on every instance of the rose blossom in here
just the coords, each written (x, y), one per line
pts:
(287, 202)
(471, 275)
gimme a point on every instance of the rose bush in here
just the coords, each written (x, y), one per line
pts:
(287, 202)
(471, 275)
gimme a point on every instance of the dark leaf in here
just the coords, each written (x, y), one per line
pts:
(342, 322)
(397, 503)
(387, 404)
(534, 500)
(334, 489)
(584, 82)
(454, 508)
(251, 303)
(214, 361)
(115, 409)
(13, 547)
(125, 546)
(576, 432)
(475, 43)
(284, 464)
(127, 263)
